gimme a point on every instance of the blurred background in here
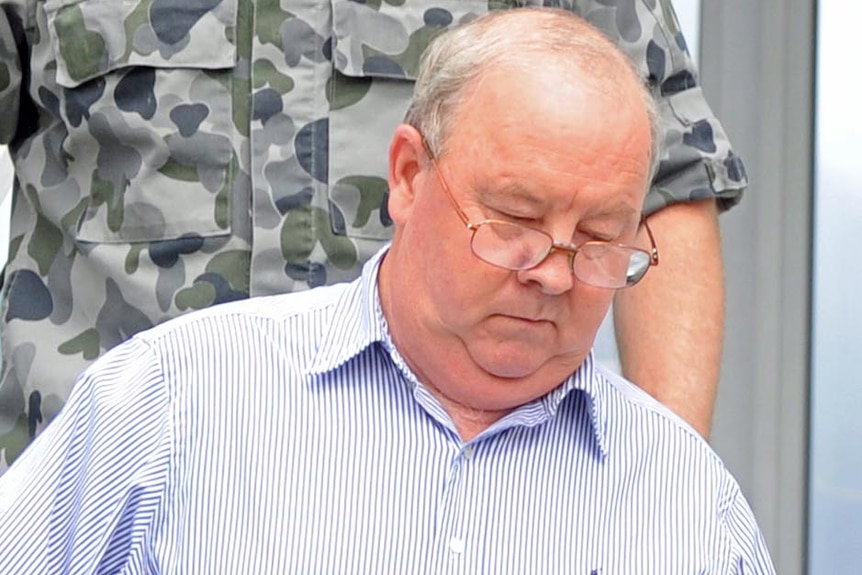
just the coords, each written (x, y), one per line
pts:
(783, 77)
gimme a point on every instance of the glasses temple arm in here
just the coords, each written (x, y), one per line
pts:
(653, 257)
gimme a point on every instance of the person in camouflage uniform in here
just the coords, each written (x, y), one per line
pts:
(172, 154)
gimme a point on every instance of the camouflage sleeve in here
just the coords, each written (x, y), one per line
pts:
(10, 72)
(697, 161)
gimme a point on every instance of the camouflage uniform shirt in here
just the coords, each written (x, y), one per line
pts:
(174, 154)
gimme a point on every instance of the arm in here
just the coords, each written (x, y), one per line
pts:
(670, 326)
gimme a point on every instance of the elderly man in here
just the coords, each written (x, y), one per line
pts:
(442, 413)
(171, 155)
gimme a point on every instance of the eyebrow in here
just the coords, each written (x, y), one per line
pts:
(614, 211)
(492, 196)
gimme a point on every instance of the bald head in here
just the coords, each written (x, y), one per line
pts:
(523, 41)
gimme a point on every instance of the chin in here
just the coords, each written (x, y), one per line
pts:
(524, 360)
(512, 371)
(512, 365)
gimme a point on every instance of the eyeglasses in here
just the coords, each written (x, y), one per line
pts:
(515, 247)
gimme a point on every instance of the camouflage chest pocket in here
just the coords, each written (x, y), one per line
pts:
(145, 92)
(376, 52)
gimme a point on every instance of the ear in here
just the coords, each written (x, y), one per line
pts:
(406, 154)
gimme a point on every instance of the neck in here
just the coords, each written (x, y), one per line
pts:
(468, 421)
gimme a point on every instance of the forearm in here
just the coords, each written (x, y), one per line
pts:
(670, 326)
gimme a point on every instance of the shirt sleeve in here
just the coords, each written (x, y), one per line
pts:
(83, 497)
(697, 161)
(751, 556)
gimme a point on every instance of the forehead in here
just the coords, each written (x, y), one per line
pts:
(537, 135)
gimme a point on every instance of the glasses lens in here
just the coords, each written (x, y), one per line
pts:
(609, 265)
(510, 246)
(638, 266)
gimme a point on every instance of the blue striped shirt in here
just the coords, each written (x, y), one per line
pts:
(287, 435)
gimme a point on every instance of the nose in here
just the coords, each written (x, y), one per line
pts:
(553, 275)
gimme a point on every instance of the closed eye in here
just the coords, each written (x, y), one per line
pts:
(581, 237)
(524, 220)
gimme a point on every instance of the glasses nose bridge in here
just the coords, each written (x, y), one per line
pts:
(570, 249)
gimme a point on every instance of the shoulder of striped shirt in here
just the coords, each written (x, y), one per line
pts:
(632, 394)
(682, 435)
(271, 307)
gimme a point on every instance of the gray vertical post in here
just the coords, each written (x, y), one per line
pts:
(757, 67)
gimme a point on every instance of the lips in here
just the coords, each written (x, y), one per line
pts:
(525, 318)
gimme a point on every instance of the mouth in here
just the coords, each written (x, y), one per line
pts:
(526, 319)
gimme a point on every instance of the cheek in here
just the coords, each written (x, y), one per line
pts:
(466, 289)
(456, 278)
(454, 284)
(588, 307)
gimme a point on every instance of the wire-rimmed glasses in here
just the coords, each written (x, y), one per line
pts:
(516, 247)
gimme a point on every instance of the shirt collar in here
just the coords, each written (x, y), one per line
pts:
(358, 322)
(588, 380)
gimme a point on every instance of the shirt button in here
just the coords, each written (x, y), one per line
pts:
(456, 545)
(468, 452)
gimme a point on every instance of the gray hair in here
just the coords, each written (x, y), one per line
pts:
(457, 59)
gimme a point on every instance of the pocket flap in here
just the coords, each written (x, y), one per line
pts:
(93, 37)
(388, 41)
